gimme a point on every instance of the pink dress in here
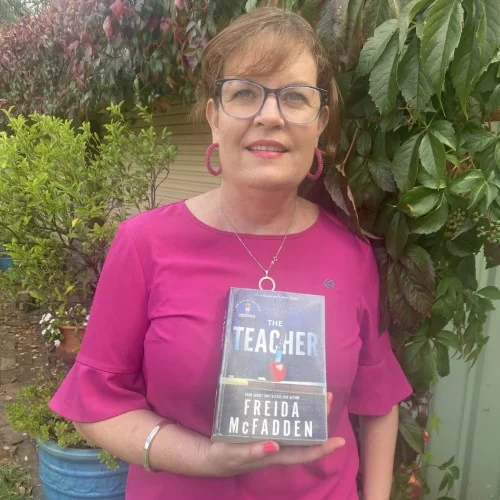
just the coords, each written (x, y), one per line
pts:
(154, 341)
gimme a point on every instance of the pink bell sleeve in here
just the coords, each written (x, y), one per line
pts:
(380, 382)
(106, 379)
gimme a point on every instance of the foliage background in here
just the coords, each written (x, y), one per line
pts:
(418, 169)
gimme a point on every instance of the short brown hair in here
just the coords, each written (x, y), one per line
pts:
(272, 37)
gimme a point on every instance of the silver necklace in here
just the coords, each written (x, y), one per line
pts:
(266, 276)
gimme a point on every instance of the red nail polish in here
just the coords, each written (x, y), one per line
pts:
(270, 448)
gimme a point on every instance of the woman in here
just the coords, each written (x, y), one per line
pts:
(152, 348)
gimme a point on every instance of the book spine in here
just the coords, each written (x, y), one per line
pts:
(226, 332)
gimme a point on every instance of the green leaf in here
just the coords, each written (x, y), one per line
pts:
(380, 170)
(445, 483)
(465, 182)
(477, 139)
(490, 292)
(493, 101)
(497, 155)
(491, 194)
(477, 194)
(443, 360)
(442, 30)
(433, 221)
(397, 235)
(464, 243)
(392, 121)
(418, 201)
(465, 68)
(383, 78)
(449, 339)
(443, 131)
(413, 80)
(492, 30)
(412, 354)
(485, 160)
(410, 430)
(363, 143)
(432, 156)
(408, 12)
(375, 47)
(428, 181)
(405, 163)
(455, 472)
(379, 149)
(446, 464)
(465, 271)
(35, 295)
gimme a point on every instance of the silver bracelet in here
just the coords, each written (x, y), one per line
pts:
(147, 444)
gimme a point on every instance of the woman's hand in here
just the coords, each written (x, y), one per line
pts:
(227, 459)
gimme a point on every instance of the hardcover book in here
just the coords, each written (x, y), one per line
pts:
(272, 382)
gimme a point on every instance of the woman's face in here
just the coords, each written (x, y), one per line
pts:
(246, 158)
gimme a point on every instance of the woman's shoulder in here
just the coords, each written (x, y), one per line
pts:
(164, 217)
(157, 227)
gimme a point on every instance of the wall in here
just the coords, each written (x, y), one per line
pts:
(468, 404)
(188, 176)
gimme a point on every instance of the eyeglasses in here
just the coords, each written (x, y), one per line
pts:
(243, 99)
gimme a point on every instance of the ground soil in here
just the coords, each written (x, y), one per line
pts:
(22, 355)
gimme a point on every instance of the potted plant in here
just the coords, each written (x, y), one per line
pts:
(5, 260)
(64, 330)
(69, 465)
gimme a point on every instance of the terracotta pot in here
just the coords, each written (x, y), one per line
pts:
(70, 344)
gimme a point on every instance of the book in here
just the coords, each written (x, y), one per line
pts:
(272, 382)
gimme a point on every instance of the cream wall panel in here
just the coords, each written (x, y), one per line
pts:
(468, 404)
(188, 176)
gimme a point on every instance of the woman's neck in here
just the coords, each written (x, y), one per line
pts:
(256, 212)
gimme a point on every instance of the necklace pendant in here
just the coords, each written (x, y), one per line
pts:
(267, 278)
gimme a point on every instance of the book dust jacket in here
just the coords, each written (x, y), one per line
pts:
(272, 382)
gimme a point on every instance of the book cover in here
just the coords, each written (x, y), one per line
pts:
(272, 382)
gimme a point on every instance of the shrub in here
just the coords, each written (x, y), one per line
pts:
(62, 194)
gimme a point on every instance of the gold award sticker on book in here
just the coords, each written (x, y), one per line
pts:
(272, 381)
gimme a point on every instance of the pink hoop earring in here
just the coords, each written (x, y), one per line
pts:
(208, 162)
(319, 170)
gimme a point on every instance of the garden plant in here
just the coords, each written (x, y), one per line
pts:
(63, 191)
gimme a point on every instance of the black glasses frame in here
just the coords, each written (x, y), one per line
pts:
(276, 92)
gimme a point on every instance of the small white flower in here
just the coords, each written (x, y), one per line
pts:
(45, 318)
(57, 343)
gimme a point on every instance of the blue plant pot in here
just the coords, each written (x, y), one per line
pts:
(70, 473)
(5, 263)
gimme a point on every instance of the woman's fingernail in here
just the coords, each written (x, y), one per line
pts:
(270, 448)
(330, 398)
